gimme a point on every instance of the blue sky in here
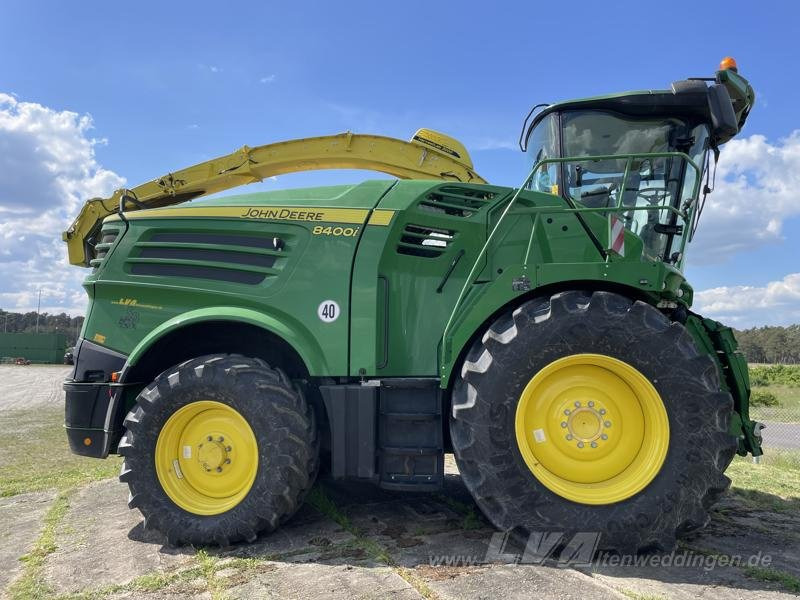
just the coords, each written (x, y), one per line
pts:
(166, 85)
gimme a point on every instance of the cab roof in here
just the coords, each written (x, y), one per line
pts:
(687, 99)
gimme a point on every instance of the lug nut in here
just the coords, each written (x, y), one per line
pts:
(228, 461)
(569, 436)
(577, 404)
(219, 469)
(604, 437)
(210, 439)
(580, 444)
(566, 411)
(602, 411)
(593, 444)
(607, 423)
(563, 424)
(228, 448)
(591, 403)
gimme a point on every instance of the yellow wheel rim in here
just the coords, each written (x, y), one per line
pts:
(592, 429)
(206, 457)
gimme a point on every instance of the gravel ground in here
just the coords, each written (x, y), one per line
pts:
(370, 544)
(32, 385)
(781, 435)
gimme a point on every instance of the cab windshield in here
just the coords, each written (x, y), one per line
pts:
(652, 184)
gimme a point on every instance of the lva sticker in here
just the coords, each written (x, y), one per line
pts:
(328, 311)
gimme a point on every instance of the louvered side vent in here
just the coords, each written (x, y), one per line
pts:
(456, 201)
(228, 257)
(101, 248)
(427, 242)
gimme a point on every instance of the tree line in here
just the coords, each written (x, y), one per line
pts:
(12, 322)
(778, 345)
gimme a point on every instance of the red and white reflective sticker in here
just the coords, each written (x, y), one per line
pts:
(616, 235)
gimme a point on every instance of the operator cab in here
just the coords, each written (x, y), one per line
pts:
(649, 151)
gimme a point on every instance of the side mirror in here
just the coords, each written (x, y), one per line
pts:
(724, 124)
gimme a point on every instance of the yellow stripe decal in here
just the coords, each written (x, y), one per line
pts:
(381, 217)
(257, 213)
(268, 213)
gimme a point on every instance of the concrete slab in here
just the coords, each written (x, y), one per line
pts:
(332, 582)
(687, 583)
(101, 542)
(20, 526)
(512, 582)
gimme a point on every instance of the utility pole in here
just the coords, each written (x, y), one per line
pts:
(38, 308)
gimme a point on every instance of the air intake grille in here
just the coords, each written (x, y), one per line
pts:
(427, 242)
(101, 248)
(456, 201)
(232, 258)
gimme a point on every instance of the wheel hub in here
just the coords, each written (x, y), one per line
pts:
(586, 424)
(214, 454)
(592, 428)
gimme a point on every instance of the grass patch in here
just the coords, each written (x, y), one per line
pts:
(319, 499)
(637, 596)
(774, 483)
(787, 581)
(208, 567)
(147, 583)
(35, 454)
(417, 582)
(762, 397)
(470, 519)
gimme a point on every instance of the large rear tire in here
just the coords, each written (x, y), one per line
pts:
(590, 412)
(218, 449)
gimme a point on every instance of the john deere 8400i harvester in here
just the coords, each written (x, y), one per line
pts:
(543, 334)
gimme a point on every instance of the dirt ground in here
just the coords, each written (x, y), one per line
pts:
(355, 541)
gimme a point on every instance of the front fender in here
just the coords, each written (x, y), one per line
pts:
(518, 284)
(301, 341)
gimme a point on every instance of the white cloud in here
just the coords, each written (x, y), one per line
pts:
(493, 144)
(210, 68)
(777, 303)
(267, 79)
(756, 192)
(47, 170)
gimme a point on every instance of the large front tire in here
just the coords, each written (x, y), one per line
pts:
(218, 449)
(589, 412)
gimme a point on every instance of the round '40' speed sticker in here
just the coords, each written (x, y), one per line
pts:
(328, 311)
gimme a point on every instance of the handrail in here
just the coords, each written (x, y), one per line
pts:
(688, 205)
